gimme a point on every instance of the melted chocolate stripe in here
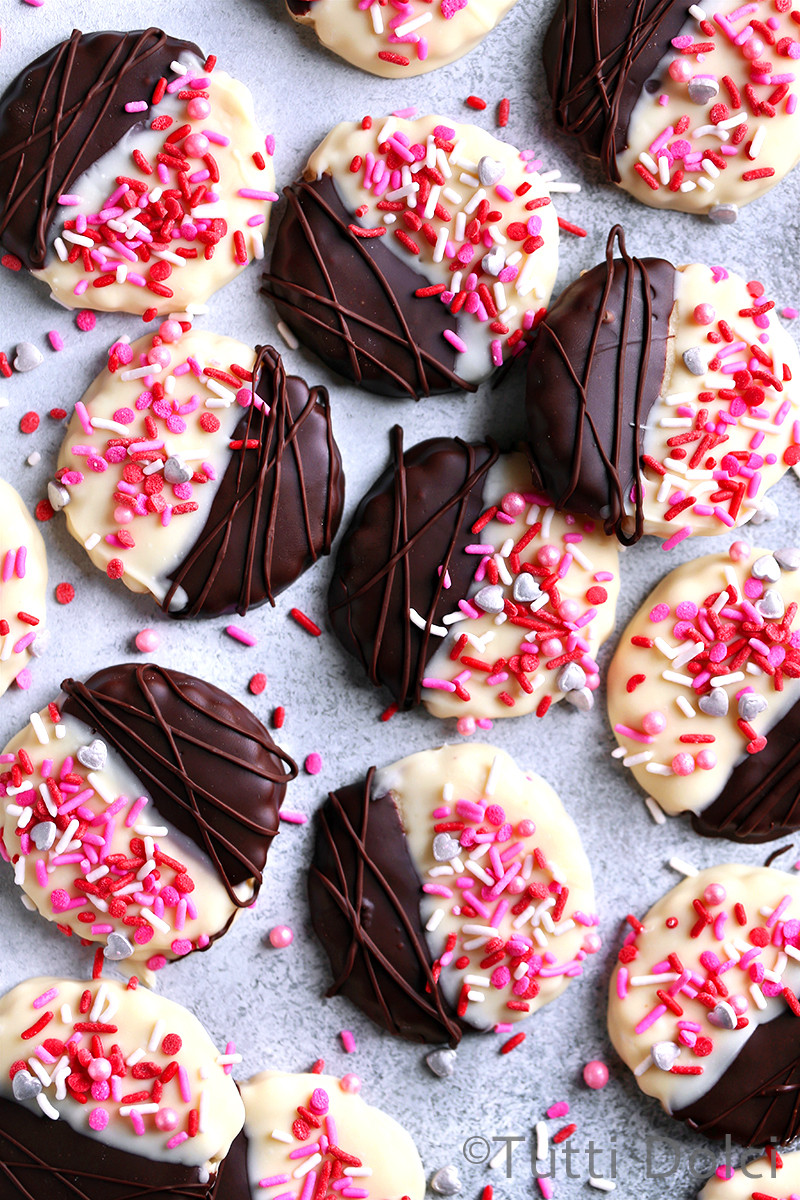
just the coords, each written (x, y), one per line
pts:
(234, 840)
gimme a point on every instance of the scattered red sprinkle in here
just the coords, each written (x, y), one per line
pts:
(97, 965)
(258, 683)
(57, 414)
(305, 622)
(543, 706)
(563, 1134)
(503, 110)
(399, 60)
(115, 568)
(209, 423)
(568, 227)
(278, 717)
(44, 510)
(65, 593)
(29, 422)
(518, 1038)
(11, 262)
(475, 102)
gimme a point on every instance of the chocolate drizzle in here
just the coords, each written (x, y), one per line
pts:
(364, 893)
(351, 300)
(594, 374)
(209, 765)
(761, 799)
(415, 520)
(598, 55)
(278, 506)
(64, 112)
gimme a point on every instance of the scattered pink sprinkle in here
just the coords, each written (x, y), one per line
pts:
(280, 936)
(350, 1083)
(147, 640)
(348, 1041)
(86, 320)
(57, 342)
(241, 635)
(313, 763)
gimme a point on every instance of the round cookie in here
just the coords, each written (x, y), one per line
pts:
(661, 399)
(352, 1141)
(451, 892)
(107, 1091)
(414, 256)
(186, 479)
(138, 811)
(457, 586)
(409, 38)
(779, 1172)
(131, 173)
(685, 108)
(703, 1003)
(23, 589)
(704, 693)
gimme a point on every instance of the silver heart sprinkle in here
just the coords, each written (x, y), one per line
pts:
(581, 698)
(664, 1055)
(43, 835)
(571, 677)
(494, 261)
(490, 171)
(442, 1062)
(715, 704)
(490, 599)
(771, 605)
(39, 646)
(723, 1016)
(117, 947)
(703, 89)
(751, 704)
(788, 559)
(25, 1086)
(766, 568)
(176, 470)
(767, 511)
(526, 588)
(27, 357)
(445, 847)
(58, 495)
(93, 756)
(724, 214)
(694, 361)
(445, 1182)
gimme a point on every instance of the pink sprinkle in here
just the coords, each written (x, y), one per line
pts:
(659, 613)
(313, 763)
(651, 1018)
(622, 982)
(546, 1187)
(98, 1119)
(134, 811)
(457, 343)
(56, 340)
(269, 144)
(293, 818)
(558, 1110)
(626, 731)
(348, 1041)
(241, 635)
(134, 106)
(178, 1138)
(45, 998)
(673, 541)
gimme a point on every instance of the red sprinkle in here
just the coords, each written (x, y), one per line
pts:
(29, 423)
(518, 1038)
(475, 102)
(278, 717)
(503, 110)
(65, 593)
(305, 622)
(115, 568)
(258, 683)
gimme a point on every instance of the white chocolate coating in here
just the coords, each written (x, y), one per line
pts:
(142, 1019)
(461, 195)
(757, 888)
(691, 583)
(771, 142)
(767, 433)
(546, 952)
(755, 1176)
(159, 548)
(391, 1166)
(23, 583)
(423, 35)
(491, 639)
(48, 877)
(232, 117)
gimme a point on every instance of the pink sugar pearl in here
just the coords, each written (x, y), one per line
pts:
(513, 504)
(704, 314)
(752, 48)
(516, 885)
(280, 936)
(683, 763)
(350, 1083)
(714, 894)
(592, 943)
(654, 722)
(706, 760)
(551, 646)
(595, 1074)
(525, 827)
(466, 726)
(739, 551)
(122, 515)
(680, 70)
(147, 640)
(166, 1119)
(159, 356)
(198, 108)
(170, 331)
(196, 145)
(569, 610)
(99, 1069)
(548, 556)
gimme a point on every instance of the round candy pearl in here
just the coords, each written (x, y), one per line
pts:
(166, 1119)
(681, 70)
(147, 640)
(593, 682)
(739, 551)
(569, 610)
(466, 726)
(548, 556)
(350, 1083)
(714, 894)
(683, 763)
(704, 314)
(654, 722)
(122, 515)
(595, 1074)
(525, 827)
(738, 1004)
(170, 331)
(198, 108)
(512, 504)
(516, 885)
(280, 936)
(706, 760)
(551, 646)
(196, 145)
(752, 48)
(159, 356)
(592, 942)
(99, 1069)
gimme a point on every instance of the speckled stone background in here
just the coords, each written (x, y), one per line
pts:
(271, 1002)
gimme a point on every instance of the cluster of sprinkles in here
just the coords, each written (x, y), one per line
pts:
(488, 871)
(96, 854)
(518, 582)
(451, 214)
(18, 630)
(686, 155)
(166, 211)
(76, 1056)
(744, 628)
(695, 996)
(741, 399)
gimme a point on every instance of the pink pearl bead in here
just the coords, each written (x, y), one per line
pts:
(516, 885)
(704, 314)
(595, 1074)
(159, 356)
(466, 726)
(738, 1004)
(244, 397)
(592, 942)
(99, 1069)
(122, 515)
(525, 827)
(198, 108)
(280, 936)
(683, 763)
(593, 682)
(752, 48)
(548, 556)
(569, 610)
(196, 145)
(166, 1119)
(551, 647)
(706, 760)
(512, 504)
(350, 1083)
(739, 551)
(654, 722)
(147, 640)
(170, 331)
(680, 69)
(714, 894)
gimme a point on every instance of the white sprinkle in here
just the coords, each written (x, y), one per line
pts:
(705, 184)
(421, 623)
(435, 919)
(441, 242)
(658, 769)
(97, 873)
(155, 921)
(731, 122)
(688, 185)
(111, 426)
(655, 810)
(482, 981)
(682, 867)
(646, 980)
(676, 677)
(99, 1001)
(151, 830)
(140, 372)
(101, 787)
(377, 18)
(724, 680)
(46, 1107)
(665, 648)
(226, 1060)
(278, 1135)
(635, 760)
(156, 1035)
(758, 996)
(39, 729)
(476, 997)
(596, 1181)
(643, 1066)
(684, 705)
(91, 541)
(34, 458)
(66, 837)
(542, 1140)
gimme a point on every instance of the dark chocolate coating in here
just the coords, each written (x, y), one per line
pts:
(598, 56)
(758, 1096)
(364, 893)
(278, 505)
(298, 8)
(594, 374)
(61, 114)
(761, 799)
(351, 300)
(209, 765)
(42, 1159)
(416, 518)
